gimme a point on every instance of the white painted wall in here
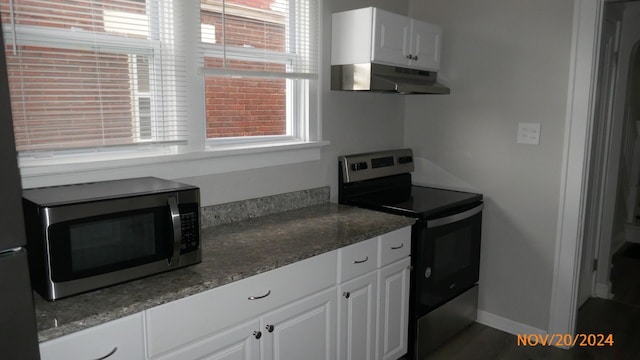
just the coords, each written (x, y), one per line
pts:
(352, 122)
(506, 62)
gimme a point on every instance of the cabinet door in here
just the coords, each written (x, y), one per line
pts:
(304, 329)
(240, 342)
(178, 323)
(122, 338)
(393, 315)
(425, 45)
(391, 39)
(357, 318)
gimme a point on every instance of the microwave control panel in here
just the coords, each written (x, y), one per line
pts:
(190, 232)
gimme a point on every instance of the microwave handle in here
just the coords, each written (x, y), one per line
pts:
(454, 218)
(176, 224)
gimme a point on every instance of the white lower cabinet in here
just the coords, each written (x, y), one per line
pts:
(348, 304)
(121, 339)
(357, 318)
(373, 297)
(393, 313)
(235, 343)
(302, 330)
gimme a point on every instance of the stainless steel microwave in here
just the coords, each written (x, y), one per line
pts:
(87, 236)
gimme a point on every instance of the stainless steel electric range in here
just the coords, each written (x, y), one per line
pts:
(445, 253)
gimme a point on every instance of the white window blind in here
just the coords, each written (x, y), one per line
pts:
(260, 38)
(93, 74)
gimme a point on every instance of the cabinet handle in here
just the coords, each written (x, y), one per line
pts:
(409, 57)
(346, 294)
(361, 261)
(415, 58)
(257, 334)
(397, 247)
(109, 354)
(260, 297)
(269, 328)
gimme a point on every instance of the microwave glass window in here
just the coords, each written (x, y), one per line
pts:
(107, 243)
(452, 253)
(104, 242)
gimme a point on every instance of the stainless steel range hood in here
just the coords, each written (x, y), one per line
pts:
(385, 78)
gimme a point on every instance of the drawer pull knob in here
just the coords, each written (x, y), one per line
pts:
(109, 354)
(257, 334)
(269, 328)
(260, 297)
(361, 261)
(397, 247)
(346, 294)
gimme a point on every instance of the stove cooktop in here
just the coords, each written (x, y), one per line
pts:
(417, 201)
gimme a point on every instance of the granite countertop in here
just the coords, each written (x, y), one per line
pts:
(230, 252)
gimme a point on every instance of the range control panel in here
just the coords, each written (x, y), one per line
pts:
(373, 165)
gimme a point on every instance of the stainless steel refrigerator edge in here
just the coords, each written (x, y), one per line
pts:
(18, 331)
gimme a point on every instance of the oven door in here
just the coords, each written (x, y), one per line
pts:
(448, 258)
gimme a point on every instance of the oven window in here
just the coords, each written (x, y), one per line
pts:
(452, 253)
(104, 242)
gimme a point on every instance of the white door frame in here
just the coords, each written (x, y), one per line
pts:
(587, 19)
(599, 213)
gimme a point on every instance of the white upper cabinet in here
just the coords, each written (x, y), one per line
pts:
(391, 38)
(378, 36)
(425, 45)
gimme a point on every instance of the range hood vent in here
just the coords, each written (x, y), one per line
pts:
(385, 78)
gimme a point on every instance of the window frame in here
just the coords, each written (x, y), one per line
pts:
(198, 157)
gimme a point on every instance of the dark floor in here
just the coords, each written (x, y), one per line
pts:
(620, 317)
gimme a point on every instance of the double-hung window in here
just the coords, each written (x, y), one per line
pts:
(92, 74)
(129, 78)
(259, 57)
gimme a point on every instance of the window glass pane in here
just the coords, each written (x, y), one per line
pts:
(124, 17)
(259, 24)
(245, 106)
(252, 36)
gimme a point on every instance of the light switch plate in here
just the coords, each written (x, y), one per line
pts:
(529, 133)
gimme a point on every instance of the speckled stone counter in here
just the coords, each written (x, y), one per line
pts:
(230, 252)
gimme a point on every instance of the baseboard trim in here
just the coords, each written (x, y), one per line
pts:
(506, 325)
(603, 291)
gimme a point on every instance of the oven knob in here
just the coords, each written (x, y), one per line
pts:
(427, 272)
(359, 166)
(405, 159)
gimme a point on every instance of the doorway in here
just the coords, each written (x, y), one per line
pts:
(612, 211)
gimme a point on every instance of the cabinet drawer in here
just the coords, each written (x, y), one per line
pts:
(125, 336)
(357, 259)
(394, 246)
(192, 318)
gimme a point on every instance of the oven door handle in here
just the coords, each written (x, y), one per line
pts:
(455, 218)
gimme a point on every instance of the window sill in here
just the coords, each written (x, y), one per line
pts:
(213, 160)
